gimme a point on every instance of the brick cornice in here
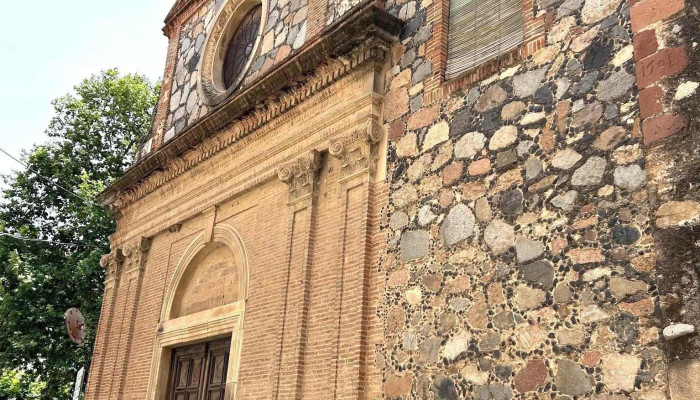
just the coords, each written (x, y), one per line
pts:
(361, 36)
(180, 11)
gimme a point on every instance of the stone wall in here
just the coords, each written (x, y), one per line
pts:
(521, 257)
(540, 212)
(185, 104)
(284, 33)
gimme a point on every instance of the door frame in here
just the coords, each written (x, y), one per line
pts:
(205, 326)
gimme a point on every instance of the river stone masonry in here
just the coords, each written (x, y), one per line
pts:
(531, 273)
(284, 33)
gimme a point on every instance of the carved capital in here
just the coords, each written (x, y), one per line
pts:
(112, 264)
(358, 151)
(300, 175)
(135, 254)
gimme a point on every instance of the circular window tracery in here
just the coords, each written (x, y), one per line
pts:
(241, 46)
(230, 48)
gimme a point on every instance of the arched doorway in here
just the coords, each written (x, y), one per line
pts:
(203, 307)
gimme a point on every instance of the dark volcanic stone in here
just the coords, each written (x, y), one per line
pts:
(492, 120)
(511, 201)
(573, 67)
(192, 65)
(625, 234)
(504, 371)
(625, 327)
(413, 24)
(543, 95)
(588, 82)
(408, 58)
(620, 33)
(445, 389)
(461, 123)
(598, 55)
(541, 272)
(400, 169)
(611, 112)
(506, 158)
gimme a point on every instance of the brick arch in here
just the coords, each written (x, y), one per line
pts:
(224, 235)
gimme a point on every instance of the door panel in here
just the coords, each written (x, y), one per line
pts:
(199, 372)
(217, 360)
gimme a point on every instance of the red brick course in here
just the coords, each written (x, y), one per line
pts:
(666, 62)
(646, 12)
(651, 101)
(645, 44)
(657, 128)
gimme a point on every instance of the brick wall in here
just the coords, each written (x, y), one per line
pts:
(534, 235)
(310, 325)
(665, 43)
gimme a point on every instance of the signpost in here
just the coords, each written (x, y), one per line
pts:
(78, 384)
(75, 324)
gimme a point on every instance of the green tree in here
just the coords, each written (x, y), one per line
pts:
(92, 140)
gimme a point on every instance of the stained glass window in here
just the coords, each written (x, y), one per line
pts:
(241, 46)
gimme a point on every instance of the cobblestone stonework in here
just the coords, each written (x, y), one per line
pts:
(185, 104)
(525, 231)
(520, 254)
(284, 32)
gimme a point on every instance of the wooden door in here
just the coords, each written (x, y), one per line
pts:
(199, 372)
(217, 365)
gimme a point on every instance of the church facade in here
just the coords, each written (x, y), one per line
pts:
(410, 199)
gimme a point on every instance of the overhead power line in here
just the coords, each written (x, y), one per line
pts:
(26, 239)
(45, 178)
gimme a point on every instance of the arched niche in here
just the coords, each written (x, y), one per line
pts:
(224, 254)
(211, 280)
(191, 314)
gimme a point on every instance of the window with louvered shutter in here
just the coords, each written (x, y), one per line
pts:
(481, 30)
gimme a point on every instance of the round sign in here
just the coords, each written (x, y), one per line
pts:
(75, 323)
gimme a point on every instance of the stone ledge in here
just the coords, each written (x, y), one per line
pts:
(367, 21)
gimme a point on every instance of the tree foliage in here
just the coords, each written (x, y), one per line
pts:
(93, 136)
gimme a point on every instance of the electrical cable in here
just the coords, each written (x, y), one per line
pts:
(43, 177)
(4, 234)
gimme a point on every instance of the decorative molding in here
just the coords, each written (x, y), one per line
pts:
(129, 258)
(209, 222)
(358, 152)
(365, 36)
(175, 228)
(246, 172)
(135, 255)
(300, 175)
(112, 263)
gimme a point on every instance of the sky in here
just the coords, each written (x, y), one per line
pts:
(48, 46)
